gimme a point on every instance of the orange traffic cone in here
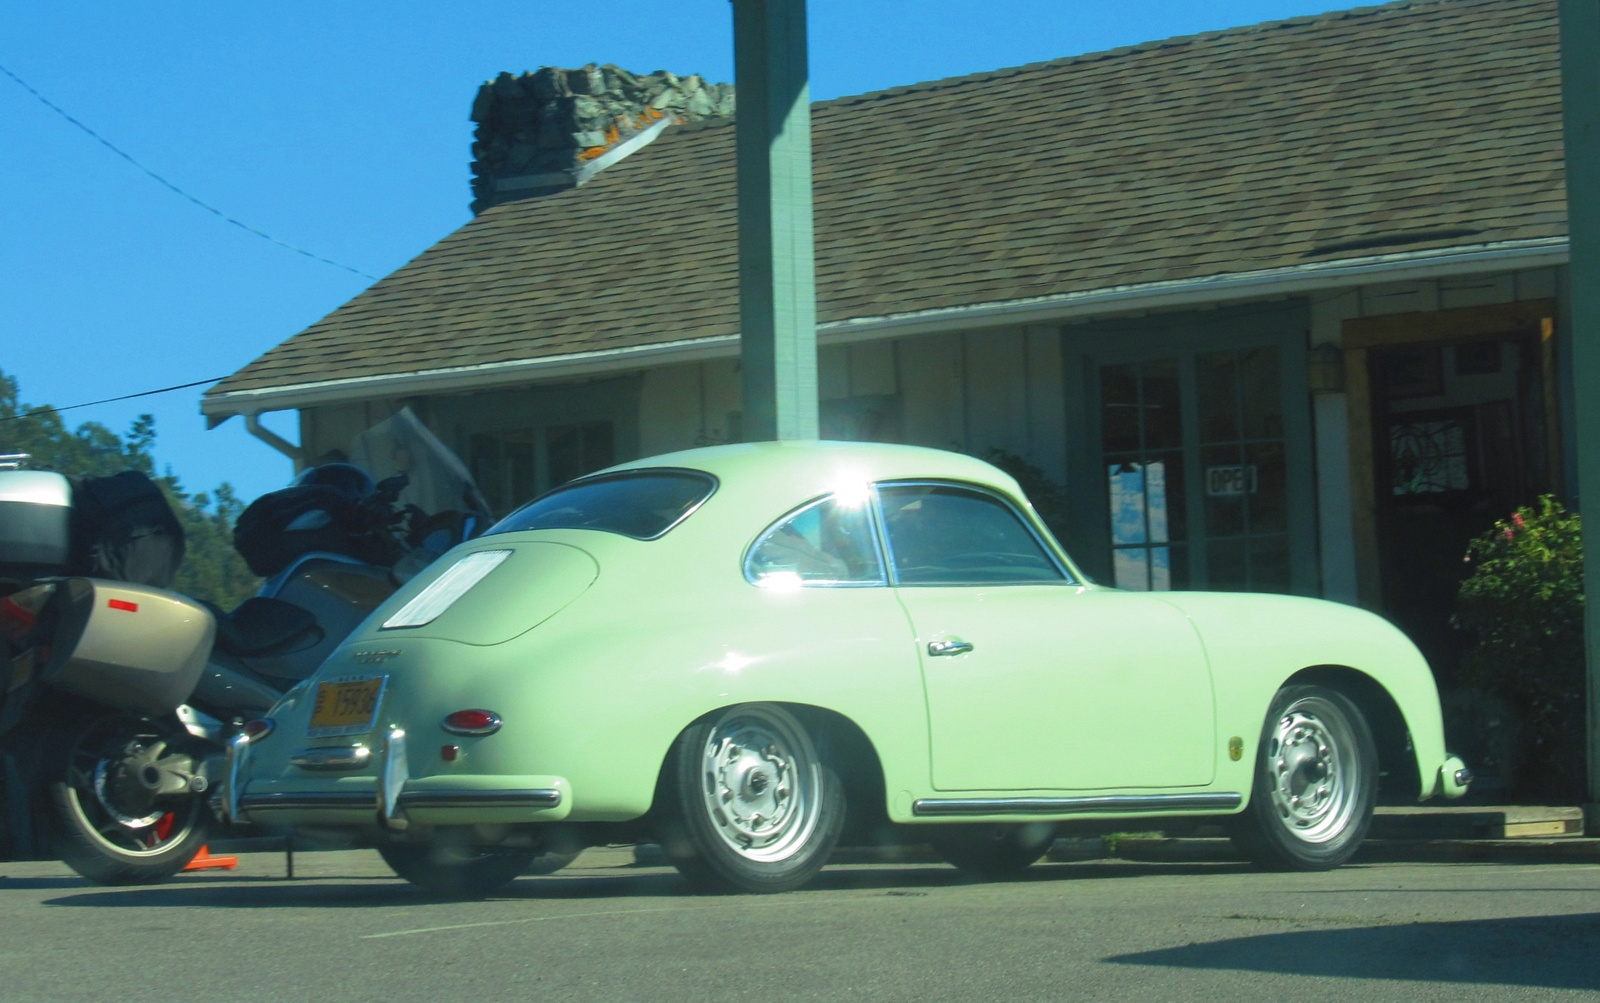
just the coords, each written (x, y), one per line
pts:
(204, 861)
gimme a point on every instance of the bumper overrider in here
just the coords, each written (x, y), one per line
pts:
(388, 794)
(1454, 777)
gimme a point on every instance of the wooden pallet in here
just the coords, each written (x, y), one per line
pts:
(1476, 822)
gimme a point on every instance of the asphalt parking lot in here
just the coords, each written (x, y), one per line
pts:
(609, 929)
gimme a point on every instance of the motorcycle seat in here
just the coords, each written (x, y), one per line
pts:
(261, 626)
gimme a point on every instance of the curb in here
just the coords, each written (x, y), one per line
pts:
(1566, 849)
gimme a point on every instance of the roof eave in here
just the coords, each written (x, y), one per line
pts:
(1288, 280)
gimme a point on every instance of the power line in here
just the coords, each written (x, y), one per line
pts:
(108, 400)
(174, 188)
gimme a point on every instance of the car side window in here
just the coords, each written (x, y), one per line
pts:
(943, 534)
(828, 542)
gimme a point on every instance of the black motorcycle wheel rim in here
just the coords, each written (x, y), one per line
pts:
(105, 814)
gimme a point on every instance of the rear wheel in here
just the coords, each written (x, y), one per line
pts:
(1316, 783)
(118, 808)
(456, 871)
(750, 805)
(992, 851)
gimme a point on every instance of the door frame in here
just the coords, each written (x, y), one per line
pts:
(1283, 325)
(1529, 319)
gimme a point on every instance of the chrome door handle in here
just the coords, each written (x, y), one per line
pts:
(937, 648)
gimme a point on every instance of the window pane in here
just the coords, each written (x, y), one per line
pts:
(643, 504)
(1227, 482)
(1131, 569)
(1219, 405)
(1163, 421)
(575, 450)
(1226, 566)
(828, 543)
(1119, 408)
(1127, 503)
(946, 535)
(1269, 503)
(1269, 564)
(1259, 394)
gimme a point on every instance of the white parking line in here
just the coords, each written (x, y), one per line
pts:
(571, 915)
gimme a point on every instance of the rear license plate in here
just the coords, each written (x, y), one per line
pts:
(346, 706)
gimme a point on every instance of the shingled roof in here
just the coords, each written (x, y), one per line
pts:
(1401, 128)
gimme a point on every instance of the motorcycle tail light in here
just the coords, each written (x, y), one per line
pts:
(472, 722)
(260, 728)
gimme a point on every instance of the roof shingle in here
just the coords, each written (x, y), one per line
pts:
(1227, 152)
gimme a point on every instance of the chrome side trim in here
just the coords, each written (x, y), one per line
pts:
(1110, 803)
(334, 757)
(340, 801)
(289, 801)
(393, 778)
(530, 798)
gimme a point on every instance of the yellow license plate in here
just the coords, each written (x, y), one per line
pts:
(346, 706)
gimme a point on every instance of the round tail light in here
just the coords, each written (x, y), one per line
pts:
(472, 722)
(258, 729)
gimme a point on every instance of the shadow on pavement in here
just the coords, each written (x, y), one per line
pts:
(348, 891)
(1548, 952)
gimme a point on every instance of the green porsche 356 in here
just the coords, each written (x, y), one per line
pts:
(744, 651)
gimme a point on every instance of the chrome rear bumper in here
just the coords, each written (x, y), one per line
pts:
(395, 799)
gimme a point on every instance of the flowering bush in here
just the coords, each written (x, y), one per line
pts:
(1523, 602)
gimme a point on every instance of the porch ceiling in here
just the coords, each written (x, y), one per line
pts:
(1384, 132)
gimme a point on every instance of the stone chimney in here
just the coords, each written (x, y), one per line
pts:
(553, 129)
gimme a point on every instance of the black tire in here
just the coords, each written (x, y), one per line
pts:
(459, 872)
(995, 852)
(550, 861)
(105, 825)
(748, 803)
(1316, 783)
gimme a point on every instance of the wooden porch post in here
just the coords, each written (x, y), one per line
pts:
(777, 274)
(1580, 92)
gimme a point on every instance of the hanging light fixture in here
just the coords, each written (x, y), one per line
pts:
(1325, 368)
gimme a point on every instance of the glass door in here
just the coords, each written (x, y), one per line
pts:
(1194, 454)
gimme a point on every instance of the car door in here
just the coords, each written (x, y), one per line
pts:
(1032, 681)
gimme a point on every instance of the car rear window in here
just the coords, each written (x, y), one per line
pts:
(642, 504)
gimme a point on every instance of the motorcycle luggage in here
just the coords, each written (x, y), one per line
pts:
(291, 522)
(129, 646)
(124, 529)
(35, 524)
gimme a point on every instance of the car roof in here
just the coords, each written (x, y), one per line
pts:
(822, 464)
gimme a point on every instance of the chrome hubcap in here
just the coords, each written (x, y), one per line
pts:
(759, 780)
(1312, 768)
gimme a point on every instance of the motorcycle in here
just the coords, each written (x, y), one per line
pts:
(118, 697)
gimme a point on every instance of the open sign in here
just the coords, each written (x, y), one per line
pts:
(1239, 480)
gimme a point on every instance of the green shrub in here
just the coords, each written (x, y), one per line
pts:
(1523, 602)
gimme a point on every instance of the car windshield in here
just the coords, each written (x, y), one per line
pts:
(643, 504)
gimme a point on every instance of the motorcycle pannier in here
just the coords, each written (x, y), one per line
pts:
(35, 524)
(130, 646)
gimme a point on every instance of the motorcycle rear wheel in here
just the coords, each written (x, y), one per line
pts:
(102, 827)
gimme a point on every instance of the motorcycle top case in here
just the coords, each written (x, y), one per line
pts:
(130, 646)
(35, 524)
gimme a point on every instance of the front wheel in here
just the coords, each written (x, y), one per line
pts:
(123, 808)
(749, 804)
(1316, 783)
(456, 871)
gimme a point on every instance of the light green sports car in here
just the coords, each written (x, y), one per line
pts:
(749, 652)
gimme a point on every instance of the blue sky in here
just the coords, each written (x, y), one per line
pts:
(342, 128)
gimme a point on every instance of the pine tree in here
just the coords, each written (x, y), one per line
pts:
(211, 568)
